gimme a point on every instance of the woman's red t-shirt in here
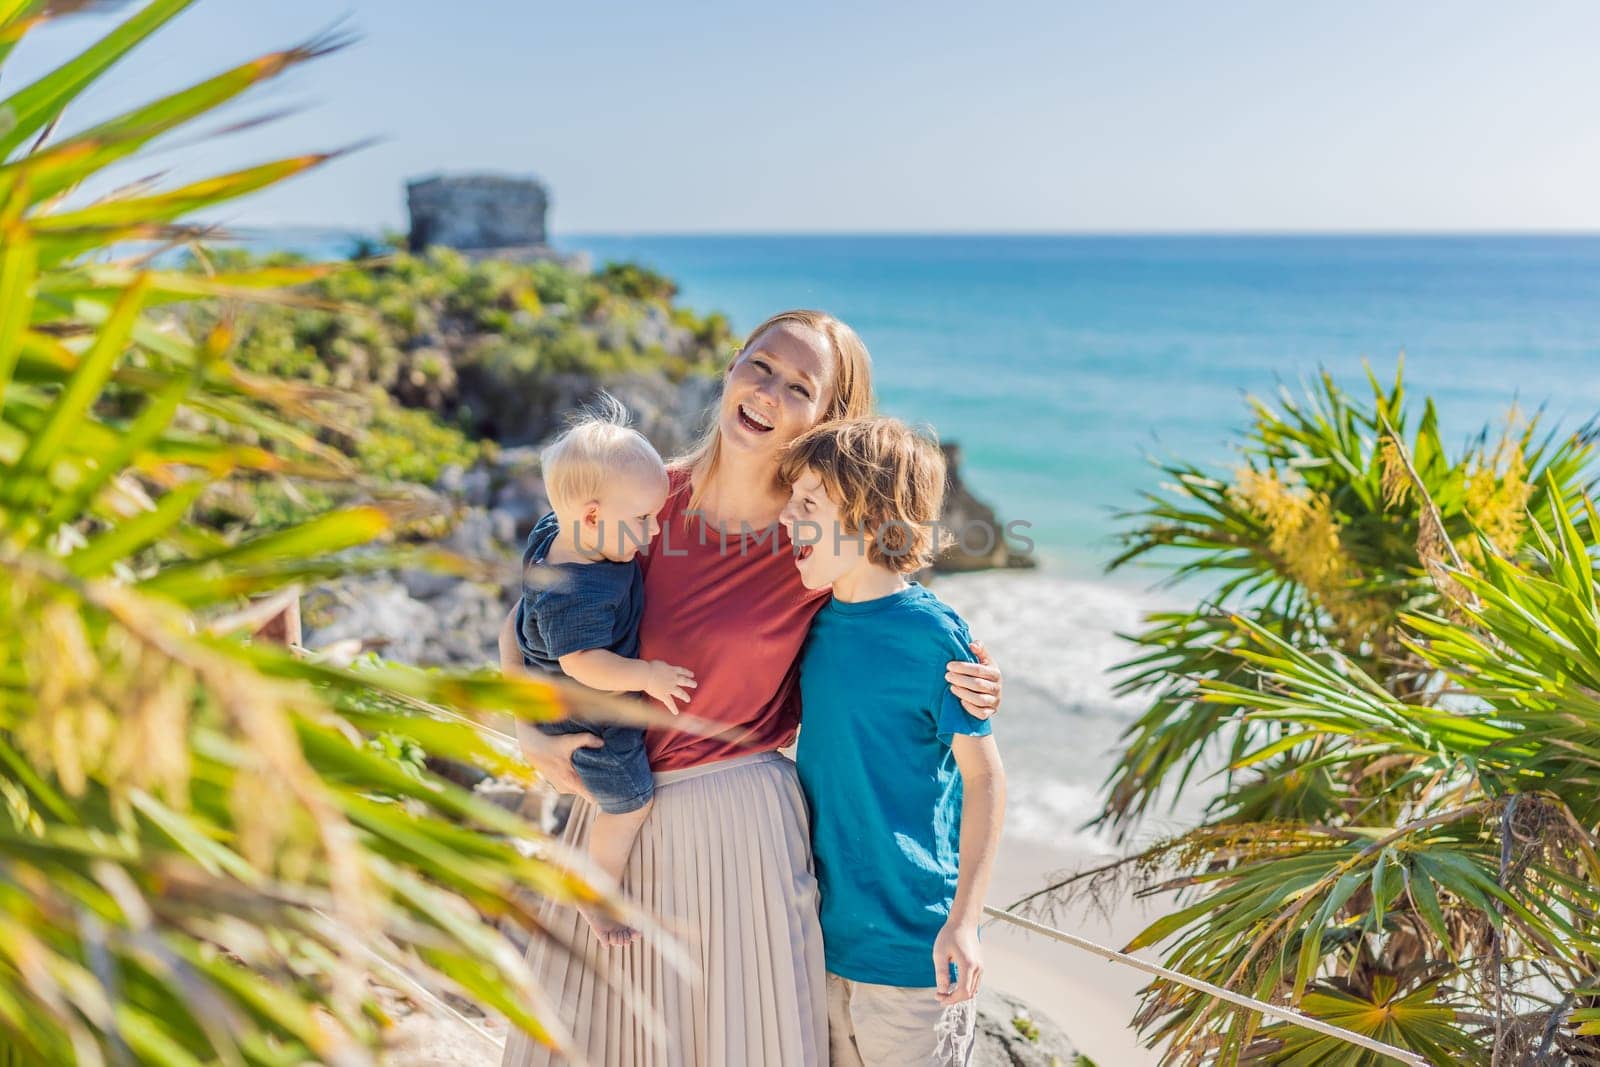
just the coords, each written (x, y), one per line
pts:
(735, 613)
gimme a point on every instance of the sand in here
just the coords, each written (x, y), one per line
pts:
(1090, 998)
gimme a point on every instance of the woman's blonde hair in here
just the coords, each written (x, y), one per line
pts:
(888, 481)
(849, 398)
(596, 445)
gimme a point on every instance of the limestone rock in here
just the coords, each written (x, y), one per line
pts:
(375, 609)
(516, 488)
(1010, 1034)
(410, 618)
(982, 540)
(477, 212)
(473, 535)
(468, 486)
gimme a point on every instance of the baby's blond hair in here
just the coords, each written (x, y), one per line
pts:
(597, 445)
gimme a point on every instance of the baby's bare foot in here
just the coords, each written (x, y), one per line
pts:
(608, 931)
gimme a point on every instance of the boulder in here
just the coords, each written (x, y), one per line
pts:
(980, 538)
(1011, 1034)
(375, 609)
(466, 625)
(410, 618)
(517, 488)
(475, 535)
(470, 487)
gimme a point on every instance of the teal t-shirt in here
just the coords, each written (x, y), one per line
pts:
(885, 794)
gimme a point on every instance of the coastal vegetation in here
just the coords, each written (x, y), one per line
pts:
(1390, 693)
(422, 361)
(210, 843)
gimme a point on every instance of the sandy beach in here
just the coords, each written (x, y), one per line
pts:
(1091, 999)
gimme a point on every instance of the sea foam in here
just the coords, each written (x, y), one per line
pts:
(1056, 640)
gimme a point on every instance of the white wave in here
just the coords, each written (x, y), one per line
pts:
(1056, 639)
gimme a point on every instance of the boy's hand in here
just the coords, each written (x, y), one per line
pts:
(669, 684)
(957, 943)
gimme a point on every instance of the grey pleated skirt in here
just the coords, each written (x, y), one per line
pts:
(724, 862)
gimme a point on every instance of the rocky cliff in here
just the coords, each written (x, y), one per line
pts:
(465, 365)
(418, 617)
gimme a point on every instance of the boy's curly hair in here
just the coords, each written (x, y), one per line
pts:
(888, 480)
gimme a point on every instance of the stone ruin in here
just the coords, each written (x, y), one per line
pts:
(482, 214)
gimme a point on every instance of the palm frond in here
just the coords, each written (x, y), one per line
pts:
(204, 849)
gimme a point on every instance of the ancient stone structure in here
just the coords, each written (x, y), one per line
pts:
(479, 213)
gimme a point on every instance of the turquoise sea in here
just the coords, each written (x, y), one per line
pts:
(1061, 362)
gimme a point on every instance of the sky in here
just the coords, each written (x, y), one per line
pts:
(1037, 116)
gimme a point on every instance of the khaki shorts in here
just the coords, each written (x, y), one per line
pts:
(890, 1026)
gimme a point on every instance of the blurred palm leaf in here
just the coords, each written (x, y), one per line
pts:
(200, 851)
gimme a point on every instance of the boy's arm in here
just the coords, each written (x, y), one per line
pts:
(983, 806)
(599, 668)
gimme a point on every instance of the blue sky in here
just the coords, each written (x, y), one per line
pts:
(1034, 116)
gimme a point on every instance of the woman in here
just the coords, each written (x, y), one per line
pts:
(724, 857)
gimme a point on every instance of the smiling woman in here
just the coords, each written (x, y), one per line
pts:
(779, 386)
(723, 858)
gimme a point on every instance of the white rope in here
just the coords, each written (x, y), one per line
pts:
(1277, 1011)
(416, 988)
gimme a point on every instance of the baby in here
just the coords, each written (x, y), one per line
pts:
(582, 597)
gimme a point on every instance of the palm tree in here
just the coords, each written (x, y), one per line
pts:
(1397, 678)
(1306, 538)
(204, 854)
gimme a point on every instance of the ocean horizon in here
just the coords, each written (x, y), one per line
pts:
(1062, 364)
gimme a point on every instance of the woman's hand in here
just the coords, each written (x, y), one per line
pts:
(551, 756)
(976, 685)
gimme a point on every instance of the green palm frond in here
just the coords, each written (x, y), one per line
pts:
(1405, 833)
(1409, 1019)
(202, 853)
(1305, 537)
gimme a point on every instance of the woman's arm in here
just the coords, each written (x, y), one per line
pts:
(983, 808)
(976, 685)
(550, 755)
(511, 663)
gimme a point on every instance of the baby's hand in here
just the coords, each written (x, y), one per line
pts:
(669, 684)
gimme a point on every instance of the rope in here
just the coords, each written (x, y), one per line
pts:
(437, 1003)
(1277, 1011)
(1288, 1015)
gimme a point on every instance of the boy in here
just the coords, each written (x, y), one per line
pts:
(579, 616)
(905, 787)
